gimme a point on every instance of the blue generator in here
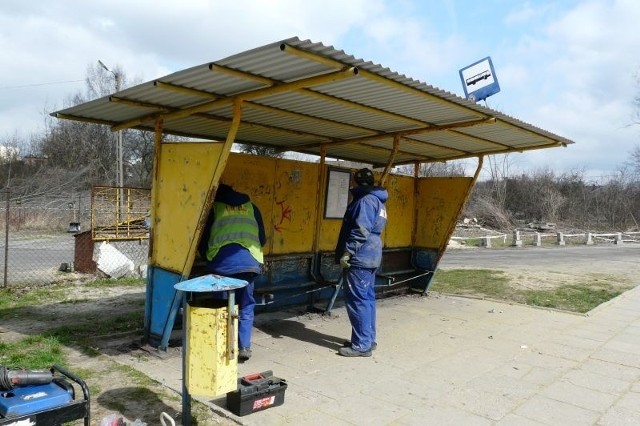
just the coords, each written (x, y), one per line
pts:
(41, 398)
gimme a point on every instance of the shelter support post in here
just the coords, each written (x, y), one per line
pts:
(387, 169)
(179, 172)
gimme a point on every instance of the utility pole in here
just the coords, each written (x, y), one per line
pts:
(120, 171)
(119, 154)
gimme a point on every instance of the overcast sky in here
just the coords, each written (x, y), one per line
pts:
(569, 67)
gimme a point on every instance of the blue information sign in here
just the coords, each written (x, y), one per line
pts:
(479, 80)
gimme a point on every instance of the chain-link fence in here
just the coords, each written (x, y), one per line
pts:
(49, 238)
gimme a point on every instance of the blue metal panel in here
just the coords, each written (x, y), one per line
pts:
(162, 304)
(426, 260)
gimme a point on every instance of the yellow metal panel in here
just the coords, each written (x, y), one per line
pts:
(185, 171)
(285, 193)
(254, 175)
(210, 372)
(294, 211)
(329, 230)
(440, 201)
(400, 212)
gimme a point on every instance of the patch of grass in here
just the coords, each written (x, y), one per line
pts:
(33, 352)
(90, 378)
(495, 284)
(10, 298)
(122, 282)
(473, 242)
(571, 297)
(43, 350)
(84, 333)
(16, 298)
(471, 281)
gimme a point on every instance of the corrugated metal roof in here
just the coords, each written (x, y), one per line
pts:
(301, 96)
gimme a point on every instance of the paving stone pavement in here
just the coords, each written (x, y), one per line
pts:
(444, 360)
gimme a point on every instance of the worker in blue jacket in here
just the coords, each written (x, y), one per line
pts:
(359, 251)
(233, 240)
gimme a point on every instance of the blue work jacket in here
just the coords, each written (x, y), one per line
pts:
(363, 222)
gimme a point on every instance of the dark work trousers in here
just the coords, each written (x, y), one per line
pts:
(246, 304)
(360, 300)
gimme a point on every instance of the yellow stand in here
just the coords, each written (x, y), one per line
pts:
(211, 370)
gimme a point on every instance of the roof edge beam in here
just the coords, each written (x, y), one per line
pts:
(404, 133)
(292, 114)
(82, 119)
(275, 89)
(184, 90)
(384, 80)
(242, 74)
(331, 63)
(137, 104)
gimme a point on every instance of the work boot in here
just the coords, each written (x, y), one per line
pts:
(350, 352)
(244, 354)
(347, 343)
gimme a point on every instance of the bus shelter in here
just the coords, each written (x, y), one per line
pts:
(339, 113)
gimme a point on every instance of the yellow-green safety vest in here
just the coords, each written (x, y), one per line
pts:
(234, 224)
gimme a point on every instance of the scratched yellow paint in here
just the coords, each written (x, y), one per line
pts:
(285, 191)
(294, 212)
(210, 371)
(184, 173)
(400, 212)
(254, 176)
(440, 201)
(329, 230)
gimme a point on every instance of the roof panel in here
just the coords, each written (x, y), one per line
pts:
(299, 95)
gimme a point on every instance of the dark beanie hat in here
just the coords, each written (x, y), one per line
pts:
(364, 177)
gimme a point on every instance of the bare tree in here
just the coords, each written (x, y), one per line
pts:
(139, 158)
(266, 151)
(499, 167)
(449, 168)
(635, 160)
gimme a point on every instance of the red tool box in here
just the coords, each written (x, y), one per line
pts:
(256, 392)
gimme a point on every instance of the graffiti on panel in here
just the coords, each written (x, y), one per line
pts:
(285, 215)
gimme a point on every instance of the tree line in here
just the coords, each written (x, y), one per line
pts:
(70, 156)
(567, 200)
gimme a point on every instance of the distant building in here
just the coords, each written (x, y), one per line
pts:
(33, 161)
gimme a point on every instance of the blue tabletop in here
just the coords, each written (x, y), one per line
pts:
(209, 283)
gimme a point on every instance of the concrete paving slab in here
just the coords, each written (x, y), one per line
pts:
(443, 360)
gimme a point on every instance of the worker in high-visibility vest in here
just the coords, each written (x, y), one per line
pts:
(235, 236)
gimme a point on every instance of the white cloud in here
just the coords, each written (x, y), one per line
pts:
(567, 67)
